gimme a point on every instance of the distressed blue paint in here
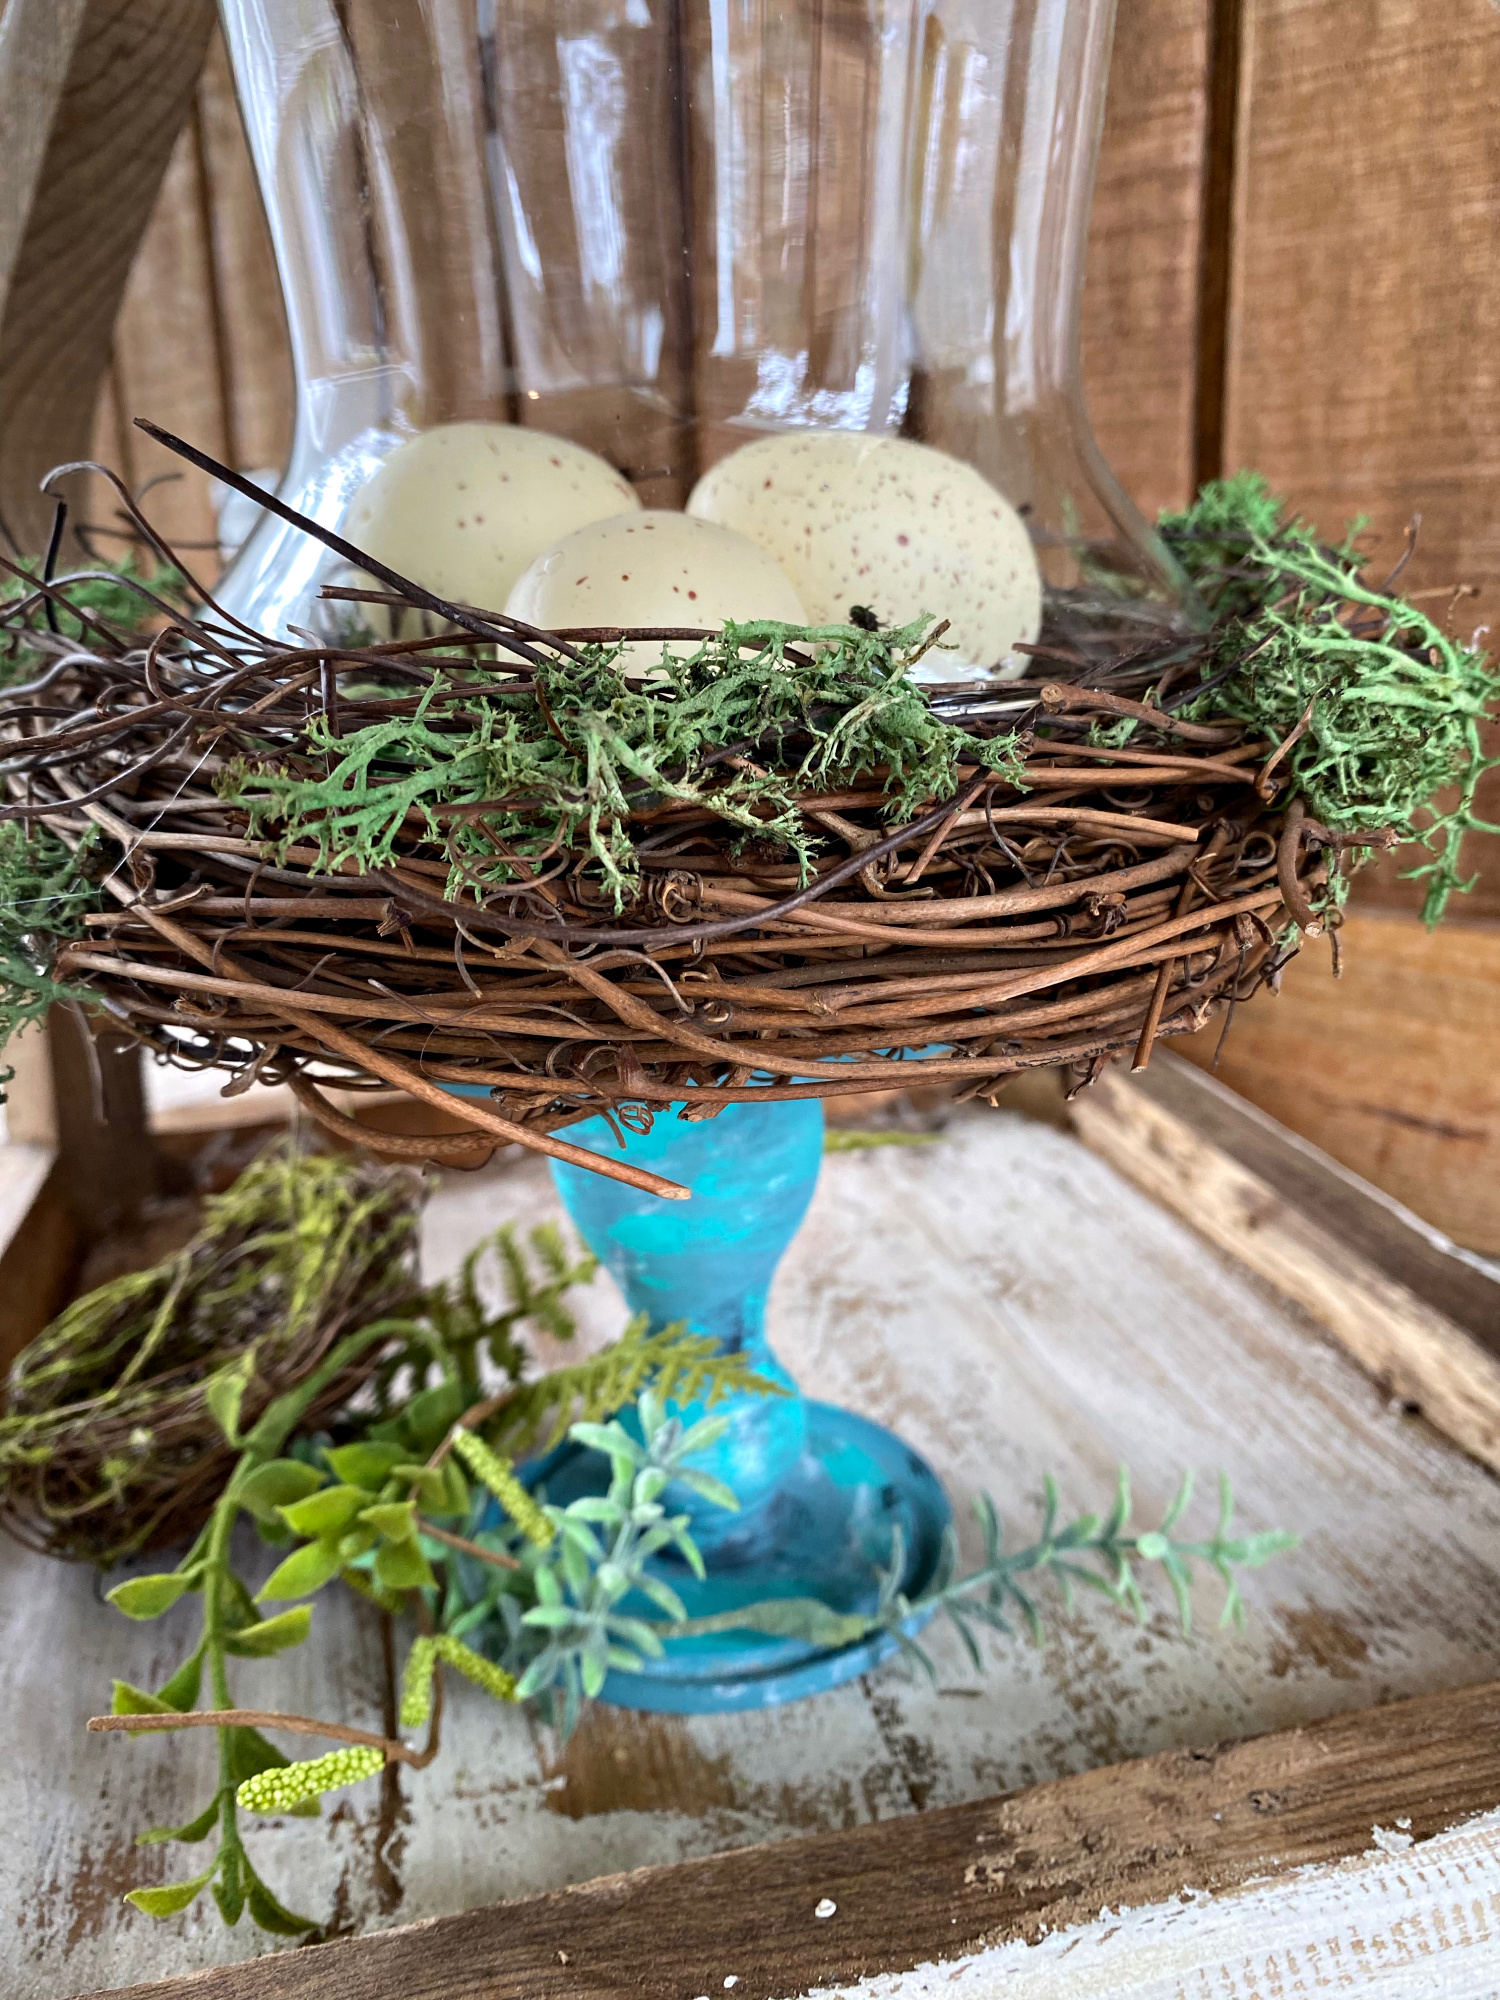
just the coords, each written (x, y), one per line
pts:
(821, 1490)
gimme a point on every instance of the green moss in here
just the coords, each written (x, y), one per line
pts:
(45, 894)
(570, 763)
(1394, 707)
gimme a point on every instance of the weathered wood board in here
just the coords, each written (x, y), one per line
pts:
(1347, 1854)
(1394, 1069)
(1014, 1306)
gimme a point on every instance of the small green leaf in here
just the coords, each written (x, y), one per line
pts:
(427, 1484)
(229, 1890)
(368, 1465)
(181, 1691)
(196, 1829)
(239, 1607)
(662, 1595)
(271, 1635)
(130, 1700)
(431, 1414)
(456, 1500)
(402, 1566)
(708, 1488)
(250, 1753)
(225, 1392)
(1258, 1549)
(326, 1513)
(149, 1596)
(392, 1520)
(305, 1570)
(279, 1483)
(171, 1896)
(1152, 1548)
(1184, 1494)
(551, 1617)
(273, 1916)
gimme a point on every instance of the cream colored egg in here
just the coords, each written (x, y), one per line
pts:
(465, 507)
(656, 569)
(890, 524)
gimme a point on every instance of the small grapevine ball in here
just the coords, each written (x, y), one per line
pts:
(891, 525)
(465, 507)
(654, 568)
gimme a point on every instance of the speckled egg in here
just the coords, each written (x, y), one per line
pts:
(893, 525)
(653, 568)
(465, 507)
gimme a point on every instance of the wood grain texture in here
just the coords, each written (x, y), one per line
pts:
(1394, 1069)
(167, 351)
(932, 1888)
(256, 369)
(200, 343)
(40, 1246)
(1284, 1222)
(1011, 1304)
(1140, 300)
(96, 93)
(1367, 271)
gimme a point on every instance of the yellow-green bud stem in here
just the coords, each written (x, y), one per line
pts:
(416, 1681)
(495, 1472)
(288, 1785)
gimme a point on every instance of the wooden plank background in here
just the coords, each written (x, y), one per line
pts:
(1305, 279)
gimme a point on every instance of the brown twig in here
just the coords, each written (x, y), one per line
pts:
(1288, 852)
(466, 1547)
(261, 1718)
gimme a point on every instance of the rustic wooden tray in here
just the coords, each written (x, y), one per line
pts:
(1014, 1303)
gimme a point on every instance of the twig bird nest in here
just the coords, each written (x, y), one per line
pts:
(773, 866)
(123, 1418)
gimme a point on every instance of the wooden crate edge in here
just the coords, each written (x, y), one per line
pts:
(1287, 1218)
(935, 1886)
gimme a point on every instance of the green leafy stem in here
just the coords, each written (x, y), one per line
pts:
(422, 1510)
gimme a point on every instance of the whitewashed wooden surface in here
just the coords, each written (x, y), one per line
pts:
(1400, 1922)
(1014, 1306)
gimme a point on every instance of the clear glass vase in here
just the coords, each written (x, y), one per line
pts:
(661, 228)
(664, 229)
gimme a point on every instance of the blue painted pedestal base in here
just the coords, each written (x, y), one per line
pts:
(822, 1534)
(821, 1491)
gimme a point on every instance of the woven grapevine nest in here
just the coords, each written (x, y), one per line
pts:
(117, 1435)
(283, 888)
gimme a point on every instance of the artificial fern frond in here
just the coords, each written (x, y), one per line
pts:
(680, 1366)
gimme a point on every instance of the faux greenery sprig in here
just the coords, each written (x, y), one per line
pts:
(46, 890)
(382, 1511)
(232, 1624)
(570, 756)
(418, 1506)
(1065, 1552)
(1380, 711)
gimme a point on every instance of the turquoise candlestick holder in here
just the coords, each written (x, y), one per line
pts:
(822, 1491)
